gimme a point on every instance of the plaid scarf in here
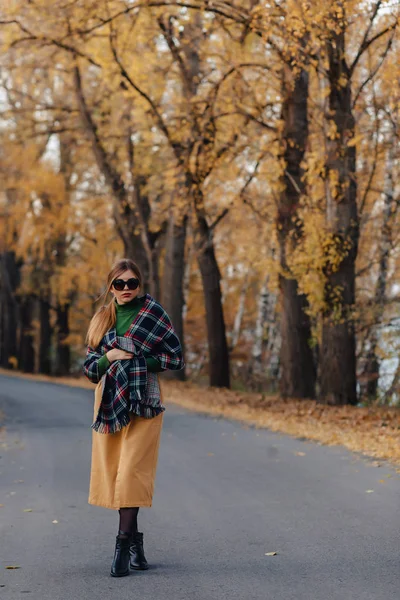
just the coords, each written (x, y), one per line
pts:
(126, 383)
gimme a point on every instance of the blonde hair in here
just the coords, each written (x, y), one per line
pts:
(105, 317)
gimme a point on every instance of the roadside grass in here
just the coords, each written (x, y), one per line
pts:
(373, 431)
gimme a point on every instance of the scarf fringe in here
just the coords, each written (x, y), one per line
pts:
(147, 412)
(103, 427)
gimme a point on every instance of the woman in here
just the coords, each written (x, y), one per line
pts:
(129, 341)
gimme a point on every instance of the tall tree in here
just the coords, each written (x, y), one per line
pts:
(338, 345)
(9, 282)
(298, 372)
(173, 278)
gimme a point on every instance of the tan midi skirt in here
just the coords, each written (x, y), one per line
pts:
(124, 463)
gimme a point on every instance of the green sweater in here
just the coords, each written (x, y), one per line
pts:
(125, 315)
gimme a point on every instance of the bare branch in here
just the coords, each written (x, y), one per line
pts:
(169, 38)
(47, 41)
(256, 120)
(112, 177)
(163, 127)
(366, 43)
(219, 219)
(374, 72)
(224, 9)
(250, 179)
(367, 32)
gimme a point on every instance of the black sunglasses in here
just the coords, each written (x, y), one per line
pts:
(119, 284)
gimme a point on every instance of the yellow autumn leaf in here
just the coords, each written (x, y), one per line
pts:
(355, 140)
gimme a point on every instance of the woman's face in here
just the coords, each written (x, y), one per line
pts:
(125, 295)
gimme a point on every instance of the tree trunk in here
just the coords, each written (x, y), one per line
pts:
(173, 277)
(9, 278)
(149, 239)
(125, 223)
(63, 353)
(154, 278)
(45, 336)
(296, 359)
(263, 368)
(393, 393)
(338, 347)
(273, 345)
(255, 366)
(237, 325)
(298, 373)
(370, 375)
(125, 219)
(26, 351)
(211, 278)
(186, 54)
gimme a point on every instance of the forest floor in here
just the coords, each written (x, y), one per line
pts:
(373, 431)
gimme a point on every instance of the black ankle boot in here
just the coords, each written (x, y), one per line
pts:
(120, 565)
(138, 560)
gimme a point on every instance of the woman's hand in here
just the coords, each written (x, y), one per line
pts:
(116, 354)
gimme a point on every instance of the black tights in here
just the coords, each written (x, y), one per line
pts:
(128, 521)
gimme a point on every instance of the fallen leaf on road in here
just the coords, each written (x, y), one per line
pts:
(13, 567)
(300, 453)
(1, 505)
(271, 553)
(369, 491)
(27, 510)
(55, 521)
(382, 481)
(210, 454)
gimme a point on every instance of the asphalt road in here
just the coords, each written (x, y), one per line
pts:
(225, 496)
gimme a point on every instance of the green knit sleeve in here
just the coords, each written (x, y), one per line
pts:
(153, 366)
(103, 365)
